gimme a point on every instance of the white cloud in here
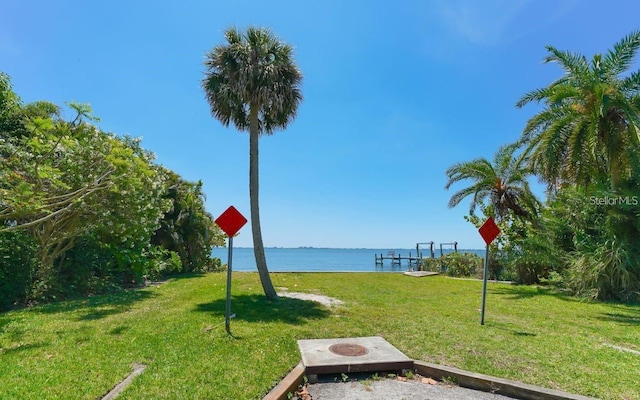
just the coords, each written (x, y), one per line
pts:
(495, 22)
(480, 22)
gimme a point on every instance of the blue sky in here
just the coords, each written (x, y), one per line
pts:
(394, 93)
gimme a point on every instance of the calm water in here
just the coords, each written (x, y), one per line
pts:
(325, 260)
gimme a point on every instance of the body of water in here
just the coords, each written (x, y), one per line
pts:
(322, 259)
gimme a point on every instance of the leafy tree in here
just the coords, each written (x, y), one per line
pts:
(62, 180)
(502, 182)
(126, 215)
(79, 206)
(588, 131)
(522, 252)
(252, 81)
(10, 106)
(46, 175)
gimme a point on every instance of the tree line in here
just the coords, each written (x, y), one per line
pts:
(584, 146)
(84, 211)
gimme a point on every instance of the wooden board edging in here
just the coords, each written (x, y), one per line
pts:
(287, 385)
(492, 384)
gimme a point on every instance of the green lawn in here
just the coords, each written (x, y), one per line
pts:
(82, 348)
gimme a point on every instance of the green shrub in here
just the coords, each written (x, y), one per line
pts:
(461, 264)
(554, 279)
(598, 245)
(161, 261)
(87, 268)
(610, 271)
(454, 264)
(514, 255)
(213, 264)
(17, 265)
(430, 264)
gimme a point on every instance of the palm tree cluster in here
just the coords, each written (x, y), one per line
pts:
(585, 141)
(588, 131)
(187, 228)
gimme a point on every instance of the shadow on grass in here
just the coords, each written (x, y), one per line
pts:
(22, 347)
(179, 277)
(11, 332)
(256, 308)
(511, 330)
(118, 330)
(518, 292)
(97, 307)
(621, 318)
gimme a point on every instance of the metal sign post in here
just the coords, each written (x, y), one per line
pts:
(489, 231)
(230, 222)
(227, 312)
(484, 283)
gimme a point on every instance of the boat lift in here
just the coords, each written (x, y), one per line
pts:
(419, 254)
(454, 244)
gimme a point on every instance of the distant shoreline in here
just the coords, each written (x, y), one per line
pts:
(436, 248)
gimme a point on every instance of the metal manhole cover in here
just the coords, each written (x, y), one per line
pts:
(348, 349)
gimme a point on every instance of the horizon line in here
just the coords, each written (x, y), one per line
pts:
(344, 248)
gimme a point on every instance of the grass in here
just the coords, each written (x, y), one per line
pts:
(83, 348)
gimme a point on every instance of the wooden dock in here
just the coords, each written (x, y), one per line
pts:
(412, 261)
(396, 259)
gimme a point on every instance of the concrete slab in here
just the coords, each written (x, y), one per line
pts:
(364, 354)
(390, 389)
(420, 274)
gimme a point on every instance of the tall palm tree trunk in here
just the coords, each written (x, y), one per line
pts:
(614, 171)
(258, 246)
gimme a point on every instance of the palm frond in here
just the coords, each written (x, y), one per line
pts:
(478, 169)
(536, 95)
(574, 64)
(620, 58)
(630, 85)
(460, 195)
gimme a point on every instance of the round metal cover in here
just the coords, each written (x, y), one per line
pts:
(348, 349)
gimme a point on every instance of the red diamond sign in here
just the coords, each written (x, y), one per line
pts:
(489, 231)
(231, 221)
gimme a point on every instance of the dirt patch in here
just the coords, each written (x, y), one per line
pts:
(318, 298)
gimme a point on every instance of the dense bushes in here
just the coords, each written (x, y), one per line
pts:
(597, 235)
(17, 266)
(79, 207)
(587, 242)
(454, 264)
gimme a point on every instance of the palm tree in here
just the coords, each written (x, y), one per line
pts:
(588, 131)
(252, 81)
(503, 182)
(187, 228)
